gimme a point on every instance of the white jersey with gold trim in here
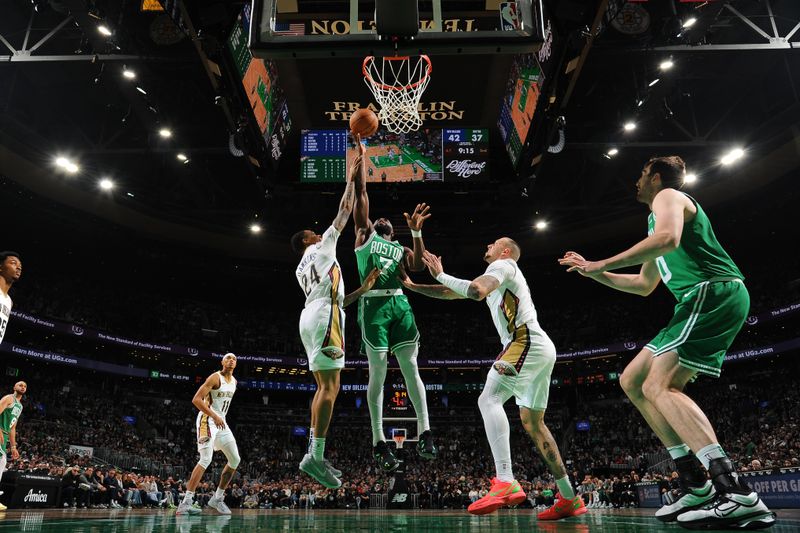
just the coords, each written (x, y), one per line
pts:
(222, 397)
(511, 304)
(318, 273)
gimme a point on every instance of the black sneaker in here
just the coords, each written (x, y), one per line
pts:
(385, 457)
(425, 447)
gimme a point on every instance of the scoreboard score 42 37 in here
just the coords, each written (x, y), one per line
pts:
(466, 154)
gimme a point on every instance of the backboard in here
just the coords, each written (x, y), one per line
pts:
(282, 29)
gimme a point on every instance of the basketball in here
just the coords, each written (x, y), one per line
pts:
(364, 122)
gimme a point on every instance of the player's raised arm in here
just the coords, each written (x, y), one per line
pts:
(363, 224)
(414, 260)
(199, 400)
(477, 289)
(348, 197)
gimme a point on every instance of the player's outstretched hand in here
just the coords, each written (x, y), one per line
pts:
(419, 216)
(371, 278)
(433, 262)
(576, 263)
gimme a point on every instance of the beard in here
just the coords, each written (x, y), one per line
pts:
(383, 228)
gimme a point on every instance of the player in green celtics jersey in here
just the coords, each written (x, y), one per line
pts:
(682, 251)
(386, 320)
(10, 411)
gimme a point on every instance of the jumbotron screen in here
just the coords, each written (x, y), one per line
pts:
(519, 104)
(264, 94)
(426, 155)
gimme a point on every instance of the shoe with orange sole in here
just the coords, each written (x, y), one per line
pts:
(563, 508)
(502, 493)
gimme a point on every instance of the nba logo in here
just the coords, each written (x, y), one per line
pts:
(509, 20)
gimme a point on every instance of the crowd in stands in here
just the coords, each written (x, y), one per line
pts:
(605, 462)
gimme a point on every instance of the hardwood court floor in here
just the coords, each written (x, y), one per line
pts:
(505, 521)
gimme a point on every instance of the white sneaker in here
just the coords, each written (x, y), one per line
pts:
(319, 471)
(335, 471)
(219, 505)
(694, 498)
(730, 511)
(187, 508)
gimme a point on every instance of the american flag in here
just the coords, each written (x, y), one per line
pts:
(287, 28)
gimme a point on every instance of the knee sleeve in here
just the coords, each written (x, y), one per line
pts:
(206, 454)
(231, 452)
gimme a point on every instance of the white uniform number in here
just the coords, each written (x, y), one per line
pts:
(663, 269)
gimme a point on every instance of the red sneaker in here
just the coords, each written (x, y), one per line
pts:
(563, 508)
(501, 494)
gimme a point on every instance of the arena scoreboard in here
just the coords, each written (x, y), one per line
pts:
(465, 154)
(322, 155)
(434, 155)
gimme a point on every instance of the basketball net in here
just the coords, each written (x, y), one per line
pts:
(397, 83)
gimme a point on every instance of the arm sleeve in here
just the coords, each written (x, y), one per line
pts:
(500, 270)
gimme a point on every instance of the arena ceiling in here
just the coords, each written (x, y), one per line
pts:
(733, 82)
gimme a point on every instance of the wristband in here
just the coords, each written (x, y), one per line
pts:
(416, 233)
(458, 286)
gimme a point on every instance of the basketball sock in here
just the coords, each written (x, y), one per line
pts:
(681, 450)
(318, 448)
(377, 376)
(219, 494)
(188, 498)
(310, 438)
(407, 359)
(711, 452)
(565, 488)
(495, 422)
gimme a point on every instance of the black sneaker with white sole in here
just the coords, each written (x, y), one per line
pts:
(425, 446)
(385, 458)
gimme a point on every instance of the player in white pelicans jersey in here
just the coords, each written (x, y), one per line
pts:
(10, 271)
(322, 323)
(213, 400)
(522, 369)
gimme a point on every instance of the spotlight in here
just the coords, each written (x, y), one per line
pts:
(629, 126)
(182, 157)
(540, 225)
(688, 23)
(612, 152)
(67, 165)
(666, 64)
(129, 74)
(106, 184)
(653, 82)
(690, 178)
(141, 90)
(639, 102)
(166, 133)
(103, 29)
(255, 228)
(732, 156)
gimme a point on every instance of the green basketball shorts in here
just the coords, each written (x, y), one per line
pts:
(387, 323)
(705, 322)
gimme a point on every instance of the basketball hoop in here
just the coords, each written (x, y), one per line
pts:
(397, 83)
(399, 437)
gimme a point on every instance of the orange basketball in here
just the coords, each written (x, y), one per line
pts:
(364, 122)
